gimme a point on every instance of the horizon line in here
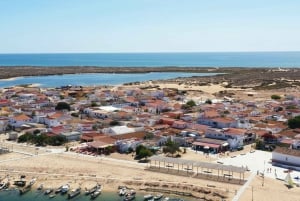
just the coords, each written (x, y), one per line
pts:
(158, 52)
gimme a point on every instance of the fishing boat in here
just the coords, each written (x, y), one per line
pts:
(58, 190)
(48, 191)
(158, 196)
(96, 193)
(122, 191)
(92, 190)
(129, 197)
(40, 187)
(20, 183)
(4, 185)
(52, 195)
(74, 193)
(65, 189)
(27, 188)
(148, 197)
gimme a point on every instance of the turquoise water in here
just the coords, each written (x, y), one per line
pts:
(13, 195)
(92, 79)
(203, 59)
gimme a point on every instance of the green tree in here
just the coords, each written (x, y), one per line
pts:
(171, 147)
(294, 122)
(142, 152)
(191, 103)
(62, 106)
(145, 153)
(259, 144)
(275, 97)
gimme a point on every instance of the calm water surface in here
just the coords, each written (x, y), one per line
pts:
(13, 195)
(92, 79)
(202, 59)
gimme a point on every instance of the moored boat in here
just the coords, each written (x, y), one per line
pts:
(28, 187)
(129, 197)
(74, 193)
(92, 190)
(58, 190)
(20, 183)
(48, 191)
(52, 195)
(40, 187)
(148, 197)
(4, 185)
(65, 189)
(158, 196)
(122, 191)
(96, 193)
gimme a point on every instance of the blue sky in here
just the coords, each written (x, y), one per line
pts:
(42, 26)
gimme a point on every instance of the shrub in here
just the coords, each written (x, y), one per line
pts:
(275, 97)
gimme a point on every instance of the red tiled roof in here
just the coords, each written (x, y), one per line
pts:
(21, 117)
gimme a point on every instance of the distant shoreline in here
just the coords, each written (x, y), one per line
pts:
(8, 72)
(237, 77)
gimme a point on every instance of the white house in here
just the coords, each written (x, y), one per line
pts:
(56, 119)
(286, 157)
(18, 120)
(119, 130)
(124, 145)
(234, 136)
(3, 123)
(71, 136)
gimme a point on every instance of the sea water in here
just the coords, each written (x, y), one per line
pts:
(94, 79)
(200, 59)
(13, 195)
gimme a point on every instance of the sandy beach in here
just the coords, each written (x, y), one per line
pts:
(56, 167)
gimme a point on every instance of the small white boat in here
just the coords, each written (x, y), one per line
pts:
(65, 188)
(122, 191)
(148, 197)
(52, 195)
(158, 196)
(96, 193)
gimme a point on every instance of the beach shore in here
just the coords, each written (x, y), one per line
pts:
(55, 168)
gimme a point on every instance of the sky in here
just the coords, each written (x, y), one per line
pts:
(56, 26)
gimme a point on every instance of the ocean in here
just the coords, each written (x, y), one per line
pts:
(201, 59)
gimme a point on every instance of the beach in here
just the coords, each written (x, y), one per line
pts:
(55, 167)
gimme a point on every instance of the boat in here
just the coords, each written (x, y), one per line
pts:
(40, 187)
(58, 190)
(65, 189)
(158, 196)
(74, 193)
(129, 197)
(148, 197)
(52, 195)
(122, 191)
(48, 191)
(96, 193)
(130, 192)
(92, 190)
(27, 188)
(4, 185)
(20, 183)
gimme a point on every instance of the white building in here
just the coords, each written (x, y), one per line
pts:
(286, 157)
